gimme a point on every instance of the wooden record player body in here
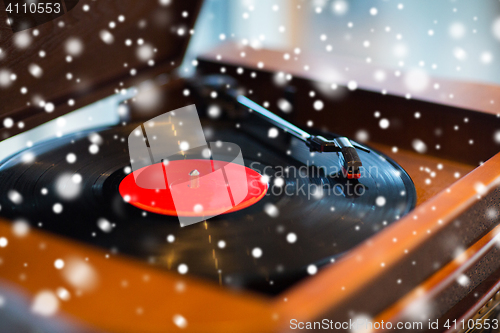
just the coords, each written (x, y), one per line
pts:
(378, 277)
(133, 297)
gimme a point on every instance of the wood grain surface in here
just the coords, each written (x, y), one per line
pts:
(127, 296)
(102, 68)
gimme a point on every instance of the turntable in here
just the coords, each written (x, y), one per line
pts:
(388, 224)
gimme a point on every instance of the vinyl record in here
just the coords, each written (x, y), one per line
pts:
(305, 220)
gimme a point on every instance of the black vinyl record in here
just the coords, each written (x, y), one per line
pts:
(266, 247)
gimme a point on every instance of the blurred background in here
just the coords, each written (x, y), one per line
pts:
(422, 41)
(458, 39)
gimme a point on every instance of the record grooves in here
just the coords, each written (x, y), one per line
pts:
(291, 231)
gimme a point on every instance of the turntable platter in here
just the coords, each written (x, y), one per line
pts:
(305, 220)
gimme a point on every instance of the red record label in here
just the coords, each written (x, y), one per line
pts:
(209, 191)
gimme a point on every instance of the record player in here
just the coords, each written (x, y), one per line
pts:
(419, 244)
